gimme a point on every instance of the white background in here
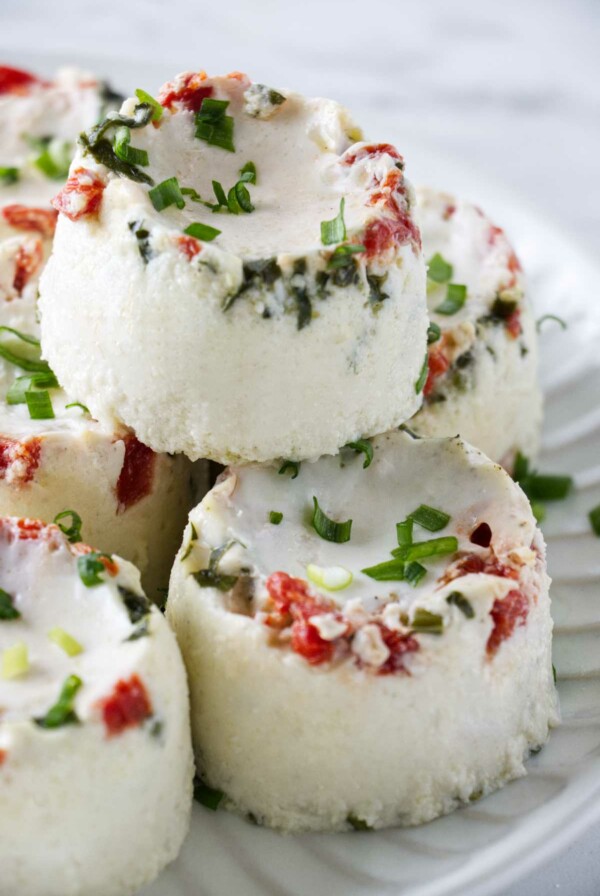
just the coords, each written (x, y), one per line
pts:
(506, 91)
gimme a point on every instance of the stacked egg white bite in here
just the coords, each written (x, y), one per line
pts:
(362, 609)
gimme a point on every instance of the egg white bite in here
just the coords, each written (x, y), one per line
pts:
(95, 750)
(367, 638)
(243, 279)
(482, 381)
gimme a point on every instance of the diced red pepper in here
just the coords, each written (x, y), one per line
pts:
(20, 458)
(137, 473)
(187, 90)
(3, 755)
(399, 644)
(513, 323)
(438, 366)
(475, 563)
(371, 150)
(15, 80)
(506, 614)
(189, 245)
(81, 196)
(383, 234)
(28, 261)
(127, 707)
(23, 217)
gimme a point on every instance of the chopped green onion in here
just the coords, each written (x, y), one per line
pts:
(89, 567)
(554, 317)
(206, 795)
(211, 577)
(157, 109)
(404, 532)
(342, 255)
(55, 159)
(195, 196)
(213, 125)
(15, 661)
(429, 518)
(242, 197)
(65, 641)
(31, 365)
(39, 405)
(275, 517)
(433, 333)
(126, 152)
(539, 511)
(332, 578)
(329, 529)
(29, 383)
(420, 384)
(63, 712)
(554, 675)
(376, 293)
(219, 194)
(334, 231)
(435, 547)
(456, 295)
(414, 572)
(137, 605)
(142, 235)
(543, 487)
(248, 173)
(203, 232)
(594, 517)
(457, 599)
(73, 532)
(439, 270)
(78, 404)
(359, 824)
(389, 571)
(165, 194)
(521, 467)
(362, 446)
(292, 465)
(7, 608)
(427, 623)
(8, 175)
(97, 143)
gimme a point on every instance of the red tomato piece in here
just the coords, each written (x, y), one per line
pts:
(127, 707)
(507, 614)
(137, 473)
(81, 196)
(39, 220)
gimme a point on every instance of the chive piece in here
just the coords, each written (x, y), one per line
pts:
(8, 175)
(195, 196)
(404, 533)
(65, 641)
(142, 235)
(439, 270)
(137, 605)
(429, 518)
(203, 232)
(207, 796)
(414, 572)
(243, 197)
(554, 675)
(89, 567)
(39, 405)
(248, 173)
(389, 571)
(165, 194)
(362, 446)
(594, 517)
(157, 109)
(548, 488)
(554, 317)
(292, 465)
(329, 529)
(128, 153)
(456, 295)
(359, 824)
(219, 194)
(78, 404)
(55, 159)
(7, 608)
(420, 384)
(334, 231)
(275, 517)
(521, 467)
(62, 713)
(213, 125)
(435, 547)
(539, 511)
(342, 255)
(433, 333)
(31, 365)
(23, 384)
(15, 661)
(211, 577)
(97, 143)
(73, 532)
(455, 598)
(427, 623)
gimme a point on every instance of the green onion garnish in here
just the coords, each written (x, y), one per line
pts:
(292, 465)
(78, 404)
(547, 488)
(389, 571)
(429, 518)
(213, 125)
(219, 194)
(165, 194)
(89, 567)
(31, 365)
(332, 578)
(195, 196)
(594, 517)
(420, 384)
(456, 295)
(275, 517)
(206, 795)
(414, 572)
(142, 235)
(137, 605)
(435, 547)
(7, 608)
(55, 159)
(342, 255)
(248, 173)
(404, 532)
(203, 232)
(62, 713)
(65, 641)
(457, 599)
(8, 175)
(329, 529)
(15, 661)
(98, 144)
(439, 270)
(427, 623)
(39, 405)
(362, 446)
(433, 333)
(211, 577)
(157, 109)
(539, 511)
(554, 317)
(334, 231)
(29, 383)
(126, 152)
(73, 532)
(359, 824)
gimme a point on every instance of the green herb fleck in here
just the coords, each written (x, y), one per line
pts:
(7, 608)
(433, 333)
(89, 567)
(142, 235)
(207, 796)
(420, 384)
(290, 465)
(165, 194)
(8, 175)
(203, 232)
(39, 404)
(73, 531)
(594, 517)
(147, 99)
(439, 270)
(427, 623)
(275, 517)
(388, 571)
(213, 125)
(414, 572)
(455, 598)
(359, 824)
(329, 529)
(62, 713)
(430, 518)
(363, 446)
(456, 294)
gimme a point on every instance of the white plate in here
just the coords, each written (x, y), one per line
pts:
(478, 850)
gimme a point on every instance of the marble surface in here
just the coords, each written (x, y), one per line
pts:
(504, 91)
